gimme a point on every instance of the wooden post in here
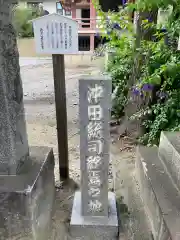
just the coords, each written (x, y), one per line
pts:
(92, 42)
(59, 39)
(61, 114)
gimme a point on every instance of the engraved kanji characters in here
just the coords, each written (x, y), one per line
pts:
(95, 93)
(94, 130)
(94, 192)
(95, 113)
(95, 146)
(95, 206)
(94, 178)
(93, 162)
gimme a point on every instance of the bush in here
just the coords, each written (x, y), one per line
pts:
(156, 79)
(163, 78)
(119, 67)
(21, 18)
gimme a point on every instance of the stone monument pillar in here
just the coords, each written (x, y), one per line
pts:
(14, 150)
(26, 175)
(94, 214)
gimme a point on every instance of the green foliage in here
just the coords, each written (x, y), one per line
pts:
(163, 71)
(121, 50)
(119, 68)
(21, 18)
(158, 80)
(161, 116)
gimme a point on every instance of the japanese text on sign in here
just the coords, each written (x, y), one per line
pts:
(55, 34)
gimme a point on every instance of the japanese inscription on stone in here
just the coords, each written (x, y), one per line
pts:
(95, 98)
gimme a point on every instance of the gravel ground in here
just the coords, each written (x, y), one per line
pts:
(41, 126)
(40, 110)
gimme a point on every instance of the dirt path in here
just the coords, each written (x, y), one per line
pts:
(41, 127)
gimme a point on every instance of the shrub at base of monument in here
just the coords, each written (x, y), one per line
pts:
(94, 214)
(26, 200)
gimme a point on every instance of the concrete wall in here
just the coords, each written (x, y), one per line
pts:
(26, 49)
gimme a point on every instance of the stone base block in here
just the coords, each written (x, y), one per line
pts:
(160, 196)
(26, 200)
(94, 228)
(169, 152)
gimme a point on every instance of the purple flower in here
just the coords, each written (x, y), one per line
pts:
(166, 40)
(124, 2)
(150, 19)
(162, 95)
(154, 38)
(135, 91)
(97, 35)
(116, 26)
(141, 94)
(147, 87)
(163, 30)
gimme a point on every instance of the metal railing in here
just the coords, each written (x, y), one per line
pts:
(88, 23)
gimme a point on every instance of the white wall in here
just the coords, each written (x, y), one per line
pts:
(50, 6)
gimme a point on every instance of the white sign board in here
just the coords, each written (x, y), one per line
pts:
(55, 34)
